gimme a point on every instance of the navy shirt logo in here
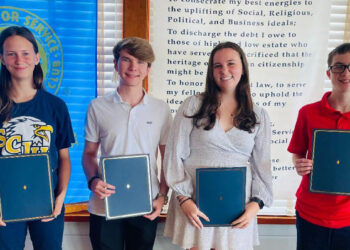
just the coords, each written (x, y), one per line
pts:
(25, 135)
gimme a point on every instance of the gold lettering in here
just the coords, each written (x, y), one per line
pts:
(44, 149)
(10, 144)
(47, 34)
(15, 16)
(35, 150)
(51, 41)
(56, 64)
(34, 22)
(51, 85)
(54, 79)
(2, 138)
(27, 22)
(53, 49)
(55, 72)
(6, 16)
(26, 146)
(39, 28)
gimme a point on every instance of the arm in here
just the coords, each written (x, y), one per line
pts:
(163, 189)
(101, 189)
(299, 143)
(64, 169)
(260, 162)
(2, 223)
(177, 150)
(190, 209)
(302, 165)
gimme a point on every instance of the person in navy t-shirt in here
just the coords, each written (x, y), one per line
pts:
(32, 121)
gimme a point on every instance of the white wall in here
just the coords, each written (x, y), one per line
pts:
(272, 237)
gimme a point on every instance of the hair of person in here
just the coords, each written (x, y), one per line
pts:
(137, 47)
(245, 117)
(341, 49)
(5, 76)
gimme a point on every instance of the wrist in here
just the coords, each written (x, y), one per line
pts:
(92, 179)
(259, 201)
(185, 199)
(164, 196)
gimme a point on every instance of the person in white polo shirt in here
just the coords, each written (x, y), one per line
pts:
(128, 121)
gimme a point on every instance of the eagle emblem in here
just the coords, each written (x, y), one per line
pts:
(26, 135)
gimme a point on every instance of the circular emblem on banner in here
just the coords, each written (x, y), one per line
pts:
(50, 48)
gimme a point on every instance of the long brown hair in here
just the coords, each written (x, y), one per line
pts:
(245, 118)
(5, 76)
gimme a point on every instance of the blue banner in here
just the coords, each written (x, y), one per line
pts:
(66, 32)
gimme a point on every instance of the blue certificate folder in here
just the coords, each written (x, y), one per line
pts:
(25, 187)
(331, 162)
(130, 174)
(220, 194)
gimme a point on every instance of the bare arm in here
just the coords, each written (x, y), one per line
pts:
(163, 189)
(101, 189)
(64, 170)
(190, 209)
(90, 165)
(302, 165)
(251, 210)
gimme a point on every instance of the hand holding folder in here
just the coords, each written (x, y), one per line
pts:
(220, 194)
(331, 162)
(303, 166)
(250, 212)
(2, 223)
(102, 189)
(25, 188)
(193, 213)
(131, 176)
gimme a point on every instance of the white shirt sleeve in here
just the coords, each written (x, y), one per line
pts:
(91, 125)
(261, 161)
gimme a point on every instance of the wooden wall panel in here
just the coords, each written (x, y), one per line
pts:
(136, 21)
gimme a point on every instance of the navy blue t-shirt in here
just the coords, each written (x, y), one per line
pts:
(41, 125)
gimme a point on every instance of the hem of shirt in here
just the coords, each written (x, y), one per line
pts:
(318, 222)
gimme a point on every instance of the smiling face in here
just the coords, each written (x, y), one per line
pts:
(340, 81)
(19, 58)
(131, 70)
(227, 69)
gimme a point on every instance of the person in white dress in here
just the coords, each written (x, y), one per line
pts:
(221, 127)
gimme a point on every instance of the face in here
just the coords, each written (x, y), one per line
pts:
(227, 69)
(131, 70)
(340, 81)
(19, 58)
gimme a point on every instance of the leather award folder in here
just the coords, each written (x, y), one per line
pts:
(25, 187)
(220, 194)
(130, 174)
(331, 162)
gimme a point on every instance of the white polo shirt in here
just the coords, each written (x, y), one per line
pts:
(121, 130)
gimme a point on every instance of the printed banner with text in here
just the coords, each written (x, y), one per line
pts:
(286, 46)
